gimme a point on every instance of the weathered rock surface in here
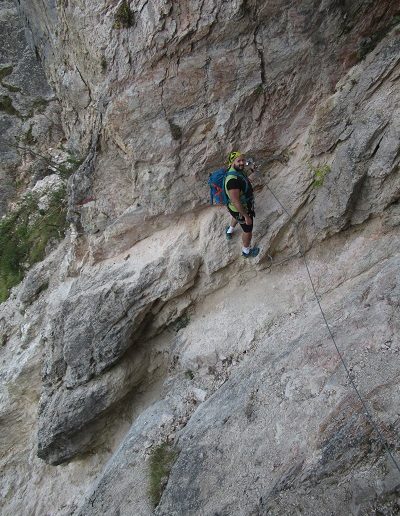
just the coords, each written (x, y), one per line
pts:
(281, 420)
(186, 82)
(29, 114)
(262, 421)
(144, 327)
(366, 155)
(97, 322)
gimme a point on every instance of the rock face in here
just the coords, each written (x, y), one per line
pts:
(286, 420)
(280, 421)
(145, 328)
(183, 84)
(29, 114)
(97, 323)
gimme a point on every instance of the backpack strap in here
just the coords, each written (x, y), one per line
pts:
(233, 174)
(230, 174)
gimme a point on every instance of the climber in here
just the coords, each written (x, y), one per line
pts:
(241, 202)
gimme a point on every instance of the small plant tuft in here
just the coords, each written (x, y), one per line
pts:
(5, 72)
(103, 64)
(189, 374)
(6, 105)
(124, 17)
(249, 409)
(176, 131)
(319, 172)
(259, 90)
(68, 167)
(40, 104)
(161, 460)
(28, 138)
(245, 9)
(11, 88)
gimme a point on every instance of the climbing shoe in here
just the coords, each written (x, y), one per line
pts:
(228, 235)
(252, 253)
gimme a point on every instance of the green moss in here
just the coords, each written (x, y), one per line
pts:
(161, 460)
(189, 374)
(12, 89)
(259, 90)
(29, 139)
(103, 64)
(176, 131)
(5, 72)
(24, 235)
(6, 105)
(319, 172)
(124, 16)
(68, 167)
(40, 104)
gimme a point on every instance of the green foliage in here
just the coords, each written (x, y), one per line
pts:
(29, 139)
(189, 374)
(24, 235)
(11, 88)
(74, 161)
(124, 16)
(259, 89)
(6, 105)
(161, 460)
(68, 167)
(319, 172)
(176, 131)
(4, 72)
(103, 64)
(40, 104)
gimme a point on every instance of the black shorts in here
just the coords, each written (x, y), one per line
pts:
(246, 227)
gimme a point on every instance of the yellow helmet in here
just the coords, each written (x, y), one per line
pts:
(232, 156)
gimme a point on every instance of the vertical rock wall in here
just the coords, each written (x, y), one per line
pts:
(144, 328)
(183, 83)
(29, 115)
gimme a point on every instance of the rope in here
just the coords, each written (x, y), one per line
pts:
(367, 412)
(275, 264)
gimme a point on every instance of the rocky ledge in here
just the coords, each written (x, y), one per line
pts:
(143, 342)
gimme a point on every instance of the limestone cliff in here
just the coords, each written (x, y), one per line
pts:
(143, 336)
(29, 112)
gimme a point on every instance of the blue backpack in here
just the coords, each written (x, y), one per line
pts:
(216, 182)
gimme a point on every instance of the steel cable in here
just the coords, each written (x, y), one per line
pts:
(367, 412)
